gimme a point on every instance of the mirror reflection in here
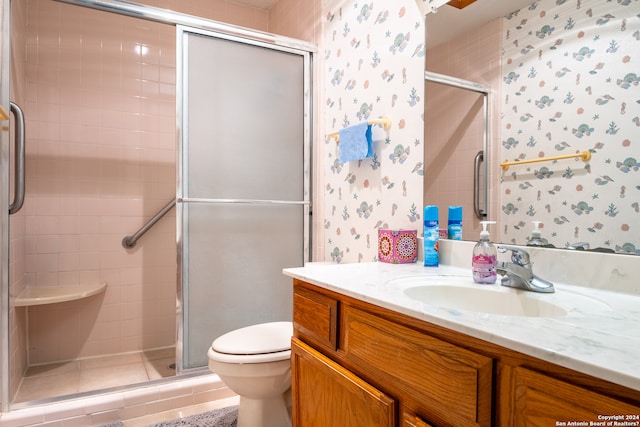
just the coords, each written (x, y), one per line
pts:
(563, 82)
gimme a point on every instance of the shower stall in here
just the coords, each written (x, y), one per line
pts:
(130, 110)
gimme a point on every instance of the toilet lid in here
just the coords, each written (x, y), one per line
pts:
(256, 339)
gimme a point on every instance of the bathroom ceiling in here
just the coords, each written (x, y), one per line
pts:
(448, 21)
(260, 4)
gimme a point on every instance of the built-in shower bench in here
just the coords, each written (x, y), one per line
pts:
(52, 294)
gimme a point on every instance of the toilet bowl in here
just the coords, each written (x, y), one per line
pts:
(254, 362)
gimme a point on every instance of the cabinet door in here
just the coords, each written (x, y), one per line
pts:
(326, 394)
(539, 400)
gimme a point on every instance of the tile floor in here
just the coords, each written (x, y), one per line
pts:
(45, 381)
(181, 412)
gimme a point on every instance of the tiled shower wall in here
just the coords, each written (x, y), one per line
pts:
(100, 106)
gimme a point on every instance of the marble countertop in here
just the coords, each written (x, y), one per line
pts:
(600, 339)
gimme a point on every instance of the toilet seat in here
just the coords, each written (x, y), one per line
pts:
(265, 342)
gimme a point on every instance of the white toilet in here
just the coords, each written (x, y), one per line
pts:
(254, 362)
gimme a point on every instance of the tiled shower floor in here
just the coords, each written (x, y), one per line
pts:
(45, 381)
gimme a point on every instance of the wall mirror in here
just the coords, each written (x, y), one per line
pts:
(563, 83)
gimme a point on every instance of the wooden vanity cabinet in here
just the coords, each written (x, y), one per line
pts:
(357, 364)
(353, 367)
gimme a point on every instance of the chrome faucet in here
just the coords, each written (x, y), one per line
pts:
(519, 272)
(580, 246)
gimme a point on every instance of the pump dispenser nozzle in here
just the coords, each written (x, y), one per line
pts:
(536, 229)
(484, 234)
(536, 236)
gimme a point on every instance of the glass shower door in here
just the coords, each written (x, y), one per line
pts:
(243, 184)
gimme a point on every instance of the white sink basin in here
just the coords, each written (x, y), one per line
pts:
(461, 293)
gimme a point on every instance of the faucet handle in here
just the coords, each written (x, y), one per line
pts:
(518, 256)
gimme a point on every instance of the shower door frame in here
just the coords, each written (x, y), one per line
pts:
(5, 82)
(141, 11)
(182, 32)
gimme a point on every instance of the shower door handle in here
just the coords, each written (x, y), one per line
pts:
(480, 213)
(19, 175)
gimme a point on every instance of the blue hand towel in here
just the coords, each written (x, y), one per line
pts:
(355, 142)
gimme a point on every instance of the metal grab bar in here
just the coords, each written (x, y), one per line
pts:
(480, 213)
(19, 176)
(130, 241)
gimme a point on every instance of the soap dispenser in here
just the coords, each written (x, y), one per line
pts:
(485, 255)
(536, 236)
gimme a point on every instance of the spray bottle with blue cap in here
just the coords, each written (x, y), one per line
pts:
(431, 236)
(454, 226)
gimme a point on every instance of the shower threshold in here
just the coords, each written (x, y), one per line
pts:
(123, 404)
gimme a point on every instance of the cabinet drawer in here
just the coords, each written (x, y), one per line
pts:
(539, 400)
(315, 317)
(326, 394)
(451, 385)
